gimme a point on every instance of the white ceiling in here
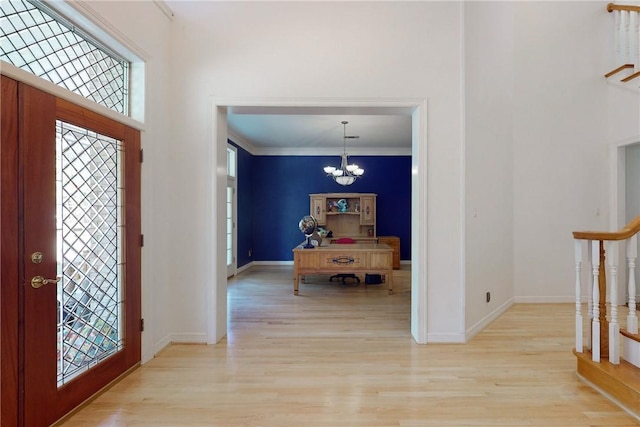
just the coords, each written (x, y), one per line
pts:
(319, 130)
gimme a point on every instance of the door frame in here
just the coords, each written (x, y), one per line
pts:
(10, 296)
(217, 291)
(617, 204)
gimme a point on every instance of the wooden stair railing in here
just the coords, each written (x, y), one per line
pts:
(619, 69)
(631, 77)
(630, 8)
(627, 36)
(614, 375)
(598, 259)
(632, 228)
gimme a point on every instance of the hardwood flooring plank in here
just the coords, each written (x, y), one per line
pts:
(343, 356)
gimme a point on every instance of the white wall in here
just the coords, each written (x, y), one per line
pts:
(561, 176)
(316, 50)
(489, 86)
(144, 26)
(556, 131)
(623, 112)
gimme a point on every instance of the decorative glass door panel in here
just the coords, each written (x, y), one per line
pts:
(89, 248)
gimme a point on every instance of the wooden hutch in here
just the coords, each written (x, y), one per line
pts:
(357, 221)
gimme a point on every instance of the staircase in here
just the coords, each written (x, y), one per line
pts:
(608, 355)
(627, 44)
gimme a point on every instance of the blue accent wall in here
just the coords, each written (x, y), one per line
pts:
(273, 194)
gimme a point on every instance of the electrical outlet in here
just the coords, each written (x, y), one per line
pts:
(488, 296)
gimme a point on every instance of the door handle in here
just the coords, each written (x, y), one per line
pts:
(39, 281)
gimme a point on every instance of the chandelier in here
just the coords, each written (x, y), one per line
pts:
(347, 173)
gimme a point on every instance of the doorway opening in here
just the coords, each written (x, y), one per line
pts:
(625, 200)
(217, 314)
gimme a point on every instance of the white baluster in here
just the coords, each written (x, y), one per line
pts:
(595, 325)
(636, 62)
(618, 36)
(578, 260)
(626, 36)
(632, 254)
(614, 327)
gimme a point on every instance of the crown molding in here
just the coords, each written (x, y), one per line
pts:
(292, 151)
(241, 142)
(162, 5)
(316, 151)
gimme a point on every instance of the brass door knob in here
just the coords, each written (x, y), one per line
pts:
(39, 281)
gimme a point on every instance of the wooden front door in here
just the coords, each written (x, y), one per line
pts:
(78, 244)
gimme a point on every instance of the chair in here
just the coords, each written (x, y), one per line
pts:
(344, 276)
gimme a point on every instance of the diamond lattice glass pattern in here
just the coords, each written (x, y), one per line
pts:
(36, 41)
(88, 193)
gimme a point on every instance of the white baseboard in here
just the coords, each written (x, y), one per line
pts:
(189, 338)
(483, 323)
(445, 338)
(182, 338)
(161, 345)
(252, 263)
(545, 299)
(272, 262)
(244, 267)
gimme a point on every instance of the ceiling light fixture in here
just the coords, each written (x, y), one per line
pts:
(346, 174)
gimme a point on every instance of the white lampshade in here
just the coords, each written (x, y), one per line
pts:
(358, 171)
(338, 172)
(345, 180)
(329, 169)
(351, 168)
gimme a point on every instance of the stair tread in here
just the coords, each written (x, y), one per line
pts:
(626, 373)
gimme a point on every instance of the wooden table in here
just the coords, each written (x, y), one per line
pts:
(373, 258)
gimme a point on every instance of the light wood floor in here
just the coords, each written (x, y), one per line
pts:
(344, 356)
